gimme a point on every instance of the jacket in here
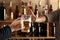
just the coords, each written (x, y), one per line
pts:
(5, 33)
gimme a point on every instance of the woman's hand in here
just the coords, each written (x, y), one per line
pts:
(16, 24)
(30, 12)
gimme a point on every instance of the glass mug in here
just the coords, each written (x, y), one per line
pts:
(26, 23)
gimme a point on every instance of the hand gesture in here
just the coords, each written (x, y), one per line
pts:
(16, 24)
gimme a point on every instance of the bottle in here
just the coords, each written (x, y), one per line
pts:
(53, 29)
(10, 11)
(40, 7)
(36, 10)
(25, 11)
(32, 29)
(2, 11)
(22, 6)
(11, 15)
(16, 12)
(29, 5)
(39, 29)
(50, 9)
(43, 29)
(46, 9)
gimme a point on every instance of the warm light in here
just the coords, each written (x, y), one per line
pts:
(10, 3)
(39, 3)
(59, 4)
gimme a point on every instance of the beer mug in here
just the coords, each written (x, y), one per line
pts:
(26, 23)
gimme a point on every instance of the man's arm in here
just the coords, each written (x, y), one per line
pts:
(5, 32)
(53, 16)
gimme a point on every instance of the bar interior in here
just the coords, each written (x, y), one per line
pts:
(31, 14)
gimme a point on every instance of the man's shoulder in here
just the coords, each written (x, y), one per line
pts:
(55, 12)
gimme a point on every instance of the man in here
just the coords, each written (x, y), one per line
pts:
(55, 17)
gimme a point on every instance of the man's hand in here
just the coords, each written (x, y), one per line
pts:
(16, 24)
(41, 19)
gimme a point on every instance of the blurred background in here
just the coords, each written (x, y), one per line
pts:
(34, 30)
